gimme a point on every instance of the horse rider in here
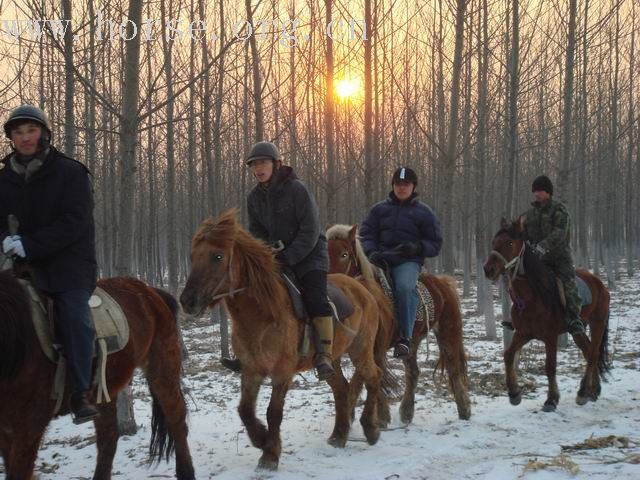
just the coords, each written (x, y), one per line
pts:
(51, 196)
(546, 228)
(284, 214)
(400, 232)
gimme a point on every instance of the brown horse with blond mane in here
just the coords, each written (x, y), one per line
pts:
(347, 256)
(227, 262)
(27, 377)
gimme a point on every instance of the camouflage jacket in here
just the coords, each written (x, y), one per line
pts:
(548, 224)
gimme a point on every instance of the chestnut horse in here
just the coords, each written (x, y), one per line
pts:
(227, 262)
(346, 256)
(26, 379)
(537, 313)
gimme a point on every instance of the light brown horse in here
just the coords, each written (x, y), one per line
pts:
(26, 379)
(227, 262)
(537, 313)
(346, 256)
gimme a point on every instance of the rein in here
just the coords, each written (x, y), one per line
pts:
(516, 264)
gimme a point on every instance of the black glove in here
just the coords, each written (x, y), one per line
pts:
(409, 249)
(539, 250)
(377, 258)
(280, 257)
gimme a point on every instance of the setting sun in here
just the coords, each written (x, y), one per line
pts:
(347, 88)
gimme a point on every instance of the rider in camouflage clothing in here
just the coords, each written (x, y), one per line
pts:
(547, 227)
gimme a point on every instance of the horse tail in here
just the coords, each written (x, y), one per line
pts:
(15, 327)
(162, 444)
(604, 361)
(169, 299)
(456, 360)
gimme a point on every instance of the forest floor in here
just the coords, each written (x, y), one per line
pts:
(600, 440)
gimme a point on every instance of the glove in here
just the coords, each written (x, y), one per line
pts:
(409, 249)
(377, 258)
(13, 246)
(279, 257)
(539, 250)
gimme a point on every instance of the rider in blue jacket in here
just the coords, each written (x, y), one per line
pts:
(401, 231)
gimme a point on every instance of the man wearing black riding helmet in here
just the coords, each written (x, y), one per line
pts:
(50, 194)
(401, 232)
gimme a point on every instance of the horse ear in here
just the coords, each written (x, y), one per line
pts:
(504, 223)
(353, 232)
(230, 217)
(520, 224)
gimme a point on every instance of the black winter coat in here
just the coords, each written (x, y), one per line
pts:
(55, 211)
(286, 211)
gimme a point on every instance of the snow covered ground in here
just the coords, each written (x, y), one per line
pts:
(500, 441)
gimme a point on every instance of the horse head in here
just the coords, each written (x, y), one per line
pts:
(507, 246)
(345, 252)
(211, 276)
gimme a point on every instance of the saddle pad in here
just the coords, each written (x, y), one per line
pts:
(108, 319)
(343, 306)
(426, 307)
(583, 291)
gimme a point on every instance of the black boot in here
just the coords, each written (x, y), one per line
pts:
(576, 327)
(402, 349)
(82, 407)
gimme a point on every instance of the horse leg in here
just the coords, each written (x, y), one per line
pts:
(22, 454)
(518, 341)
(590, 383)
(273, 446)
(342, 396)
(411, 374)
(107, 435)
(455, 363)
(250, 387)
(369, 418)
(553, 394)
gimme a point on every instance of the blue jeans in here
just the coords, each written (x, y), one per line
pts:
(405, 277)
(73, 321)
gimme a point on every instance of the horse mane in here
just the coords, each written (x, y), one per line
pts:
(258, 272)
(341, 232)
(15, 325)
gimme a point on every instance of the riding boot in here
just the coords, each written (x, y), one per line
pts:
(233, 364)
(82, 407)
(323, 358)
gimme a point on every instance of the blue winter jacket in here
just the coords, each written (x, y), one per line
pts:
(391, 222)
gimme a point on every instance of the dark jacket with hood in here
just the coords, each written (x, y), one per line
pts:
(285, 210)
(392, 222)
(54, 208)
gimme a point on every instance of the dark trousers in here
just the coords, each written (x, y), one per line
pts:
(74, 325)
(314, 294)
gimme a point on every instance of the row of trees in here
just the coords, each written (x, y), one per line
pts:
(479, 96)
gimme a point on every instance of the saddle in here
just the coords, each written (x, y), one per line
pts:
(426, 307)
(583, 292)
(340, 304)
(112, 335)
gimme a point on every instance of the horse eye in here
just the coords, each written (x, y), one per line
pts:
(344, 255)
(217, 257)
(511, 244)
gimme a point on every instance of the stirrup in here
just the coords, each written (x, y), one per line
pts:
(324, 369)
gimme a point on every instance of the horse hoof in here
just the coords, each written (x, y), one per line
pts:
(372, 434)
(549, 406)
(515, 398)
(464, 413)
(266, 464)
(337, 442)
(407, 410)
(584, 399)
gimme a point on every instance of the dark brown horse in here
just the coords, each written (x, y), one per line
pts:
(346, 256)
(537, 313)
(26, 379)
(227, 262)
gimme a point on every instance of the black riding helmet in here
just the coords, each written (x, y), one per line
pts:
(405, 174)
